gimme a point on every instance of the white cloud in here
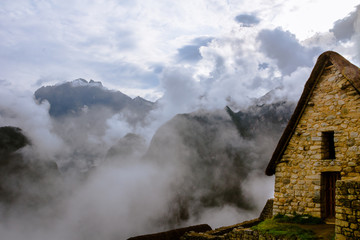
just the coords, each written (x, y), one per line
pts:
(345, 28)
(19, 109)
(307, 18)
(223, 216)
(121, 42)
(117, 202)
(194, 54)
(286, 50)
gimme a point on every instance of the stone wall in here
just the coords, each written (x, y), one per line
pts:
(333, 106)
(228, 232)
(248, 234)
(237, 231)
(347, 210)
(236, 234)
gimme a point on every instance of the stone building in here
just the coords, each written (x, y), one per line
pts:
(321, 143)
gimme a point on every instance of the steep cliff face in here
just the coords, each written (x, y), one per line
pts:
(203, 148)
(131, 146)
(24, 182)
(11, 139)
(215, 152)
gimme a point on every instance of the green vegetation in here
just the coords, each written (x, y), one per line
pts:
(274, 228)
(286, 226)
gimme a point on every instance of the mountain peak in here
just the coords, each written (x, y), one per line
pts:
(142, 101)
(80, 82)
(71, 97)
(138, 98)
(95, 83)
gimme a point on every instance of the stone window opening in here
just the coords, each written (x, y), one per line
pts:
(327, 145)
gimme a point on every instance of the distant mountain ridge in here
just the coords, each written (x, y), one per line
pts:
(79, 95)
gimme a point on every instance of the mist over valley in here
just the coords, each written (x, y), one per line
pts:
(123, 118)
(200, 167)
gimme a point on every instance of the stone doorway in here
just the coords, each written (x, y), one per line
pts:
(328, 186)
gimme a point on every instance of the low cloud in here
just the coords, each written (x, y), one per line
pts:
(223, 216)
(19, 109)
(181, 91)
(129, 195)
(118, 203)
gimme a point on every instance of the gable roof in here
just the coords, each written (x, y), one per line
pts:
(347, 69)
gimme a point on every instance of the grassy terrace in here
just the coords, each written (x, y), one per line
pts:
(280, 227)
(296, 227)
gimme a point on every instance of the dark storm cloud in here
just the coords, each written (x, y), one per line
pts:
(247, 20)
(191, 52)
(285, 49)
(344, 28)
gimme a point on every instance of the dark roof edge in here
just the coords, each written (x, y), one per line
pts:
(350, 71)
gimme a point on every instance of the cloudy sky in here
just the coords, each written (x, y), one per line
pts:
(193, 54)
(205, 49)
